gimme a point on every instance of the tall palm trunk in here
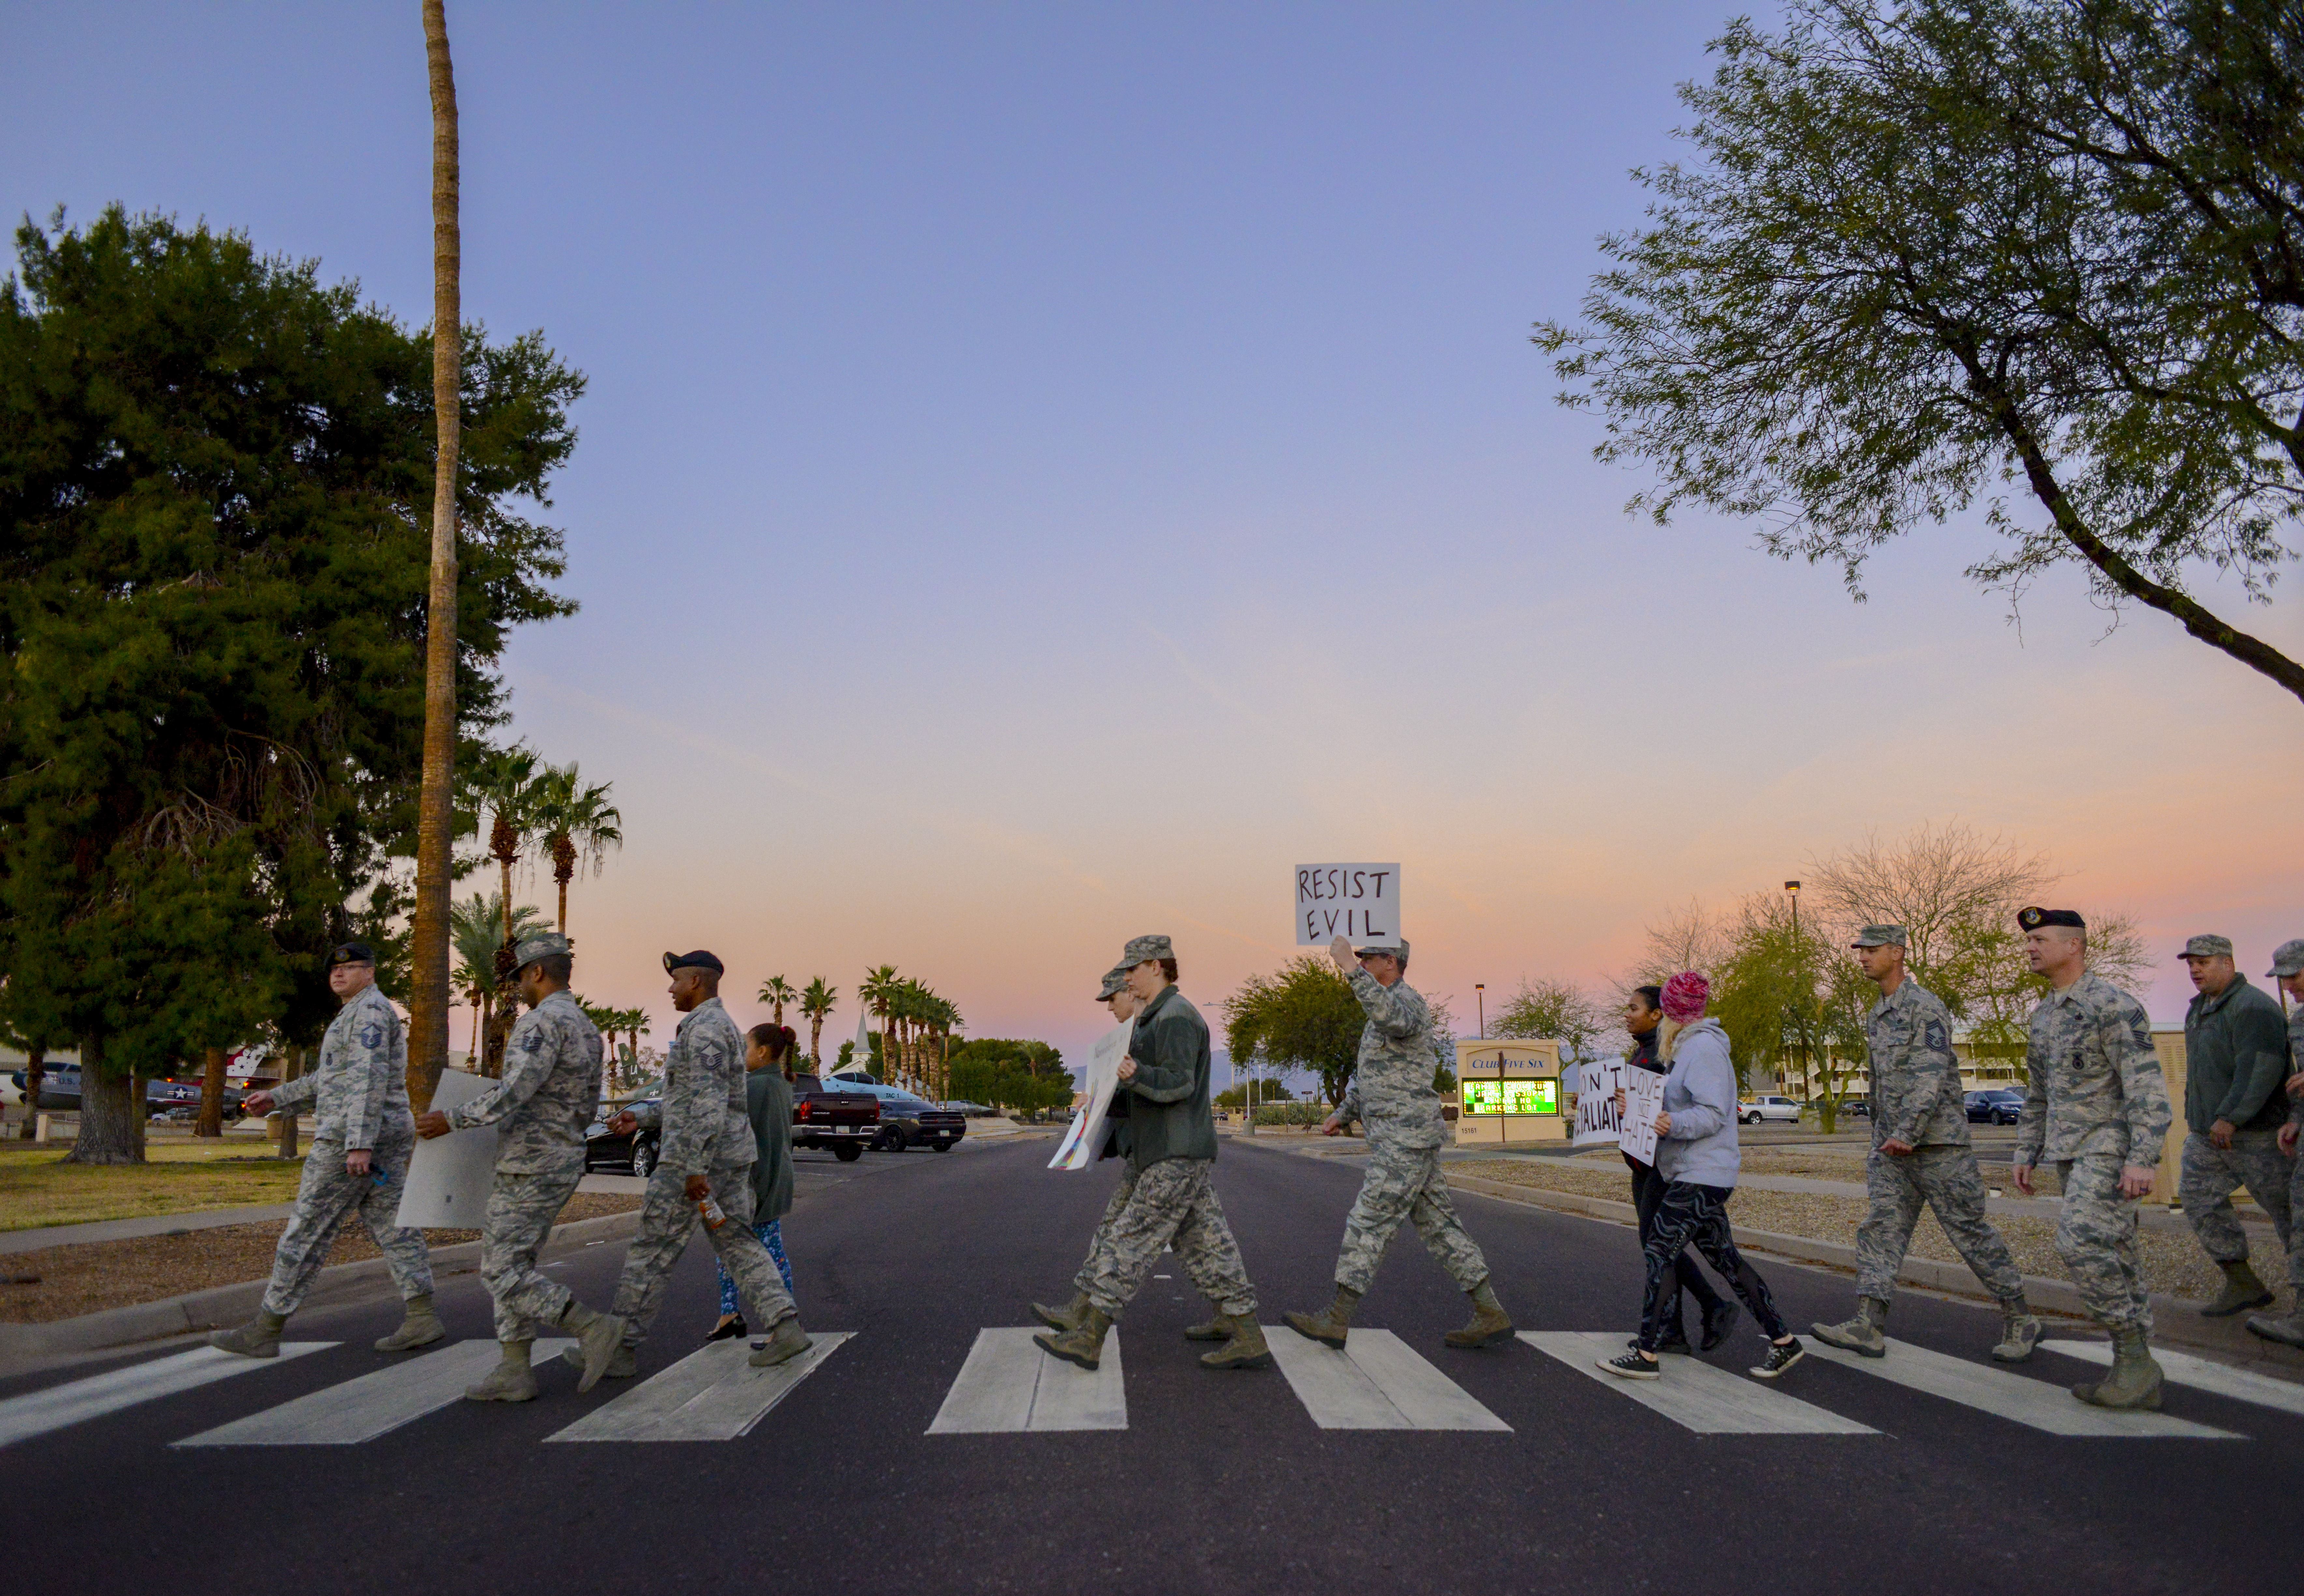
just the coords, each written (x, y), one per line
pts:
(816, 1039)
(563, 870)
(427, 992)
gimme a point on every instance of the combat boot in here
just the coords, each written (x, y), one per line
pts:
(2019, 1331)
(511, 1380)
(785, 1342)
(1083, 1344)
(2134, 1381)
(600, 1347)
(2242, 1290)
(2288, 1331)
(259, 1337)
(1860, 1334)
(1243, 1347)
(1067, 1317)
(1328, 1327)
(421, 1328)
(1490, 1324)
(1211, 1329)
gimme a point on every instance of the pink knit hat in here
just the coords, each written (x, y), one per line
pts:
(1684, 997)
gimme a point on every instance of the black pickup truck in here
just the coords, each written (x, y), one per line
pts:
(847, 1122)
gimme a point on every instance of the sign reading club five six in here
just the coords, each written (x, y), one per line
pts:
(1358, 901)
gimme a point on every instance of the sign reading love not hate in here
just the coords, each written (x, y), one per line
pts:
(1358, 901)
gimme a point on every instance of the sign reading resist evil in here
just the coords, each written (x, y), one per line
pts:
(1358, 901)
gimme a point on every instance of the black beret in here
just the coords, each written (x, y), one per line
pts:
(352, 953)
(699, 960)
(2032, 919)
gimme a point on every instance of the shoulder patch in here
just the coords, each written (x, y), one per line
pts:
(534, 1040)
(1934, 1034)
(2140, 1034)
(371, 1034)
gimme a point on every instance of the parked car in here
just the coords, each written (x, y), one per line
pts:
(60, 1093)
(1753, 1110)
(636, 1153)
(973, 1111)
(907, 1121)
(1998, 1106)
(843, 1116)
(1856, 1108)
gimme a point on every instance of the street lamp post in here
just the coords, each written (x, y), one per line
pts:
(1793, 887)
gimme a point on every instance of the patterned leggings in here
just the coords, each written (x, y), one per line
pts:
(1693, 1215)
(771, 1236)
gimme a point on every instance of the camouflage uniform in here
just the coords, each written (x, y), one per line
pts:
(2094, 1101)
(2237, 1064)
(359, 1090)
(1099, 1247)
(706, 1131)
(1172, 1149)
(1917, 1099)
(1392, 1096)
(2296, 1179)
(541, 1108)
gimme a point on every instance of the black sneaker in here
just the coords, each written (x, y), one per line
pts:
(1780, 1358)
(1718, 1320)
(1631, 1366)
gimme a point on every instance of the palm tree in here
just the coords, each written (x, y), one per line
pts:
(578, 823)
(428, 991)
(817, 1003)
(475, 924)
(877, 987)
(778, 991)
(507, 785)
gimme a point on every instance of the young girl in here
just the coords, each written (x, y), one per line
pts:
(768, 1104)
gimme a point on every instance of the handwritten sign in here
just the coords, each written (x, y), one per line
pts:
(1358, 901)
(1596, 1103)
(1084, 1142)
(1643, 1101)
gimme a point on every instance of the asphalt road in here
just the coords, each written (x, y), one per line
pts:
(1218, 1482)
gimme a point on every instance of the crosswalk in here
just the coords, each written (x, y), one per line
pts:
(1006, 1385)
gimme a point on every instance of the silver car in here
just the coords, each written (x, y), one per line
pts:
(1754, 1110)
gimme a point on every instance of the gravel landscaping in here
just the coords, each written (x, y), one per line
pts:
(2172, 1259)
(92, 1276)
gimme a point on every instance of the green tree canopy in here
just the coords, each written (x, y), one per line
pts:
(1301, 1017)
(215, 497)
(1953, 252)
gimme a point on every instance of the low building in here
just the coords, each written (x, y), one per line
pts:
(1509, 1091)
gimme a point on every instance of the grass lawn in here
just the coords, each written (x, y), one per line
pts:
(37, 1187)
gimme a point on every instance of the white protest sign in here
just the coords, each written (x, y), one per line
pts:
(1595, 1101)
(1358, 901)
(1085, 1139)
(449, 1177)
(1643, 1101)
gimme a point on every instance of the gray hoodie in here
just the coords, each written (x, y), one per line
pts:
(1700, 1096)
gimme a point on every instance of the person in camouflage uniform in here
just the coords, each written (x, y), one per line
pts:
(2287, 969)
(2096, 1106)
(706, 1151)
(541, 1109)
(1171, 1145)
(1115, 995)
(2235, 1061)
(357, 1164)
(1920, 1158)
(1392, 1095)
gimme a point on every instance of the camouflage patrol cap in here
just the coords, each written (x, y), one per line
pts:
(1115, 981)
(2287, 958)
(2207, 945)
(1881, 936)
(544, 944)
(1398, 949)
(2032, 919)
(1141, 948)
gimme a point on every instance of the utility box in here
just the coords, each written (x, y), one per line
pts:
(1510, 1092)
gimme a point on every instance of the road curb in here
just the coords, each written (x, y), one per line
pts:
(2175, 1322)
(220, 1306)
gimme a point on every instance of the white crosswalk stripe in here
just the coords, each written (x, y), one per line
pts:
(1377, 1382)
(373, 1404)
(79, 1400)
(2017, 1397)
(712, 1394)
(2182, 1368)
(1008, 1384)
(1695, 1395)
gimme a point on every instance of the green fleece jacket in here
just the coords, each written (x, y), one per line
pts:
(1168, 1111)
(2235, 1059)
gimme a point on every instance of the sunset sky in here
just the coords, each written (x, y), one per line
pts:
(1049, 470)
